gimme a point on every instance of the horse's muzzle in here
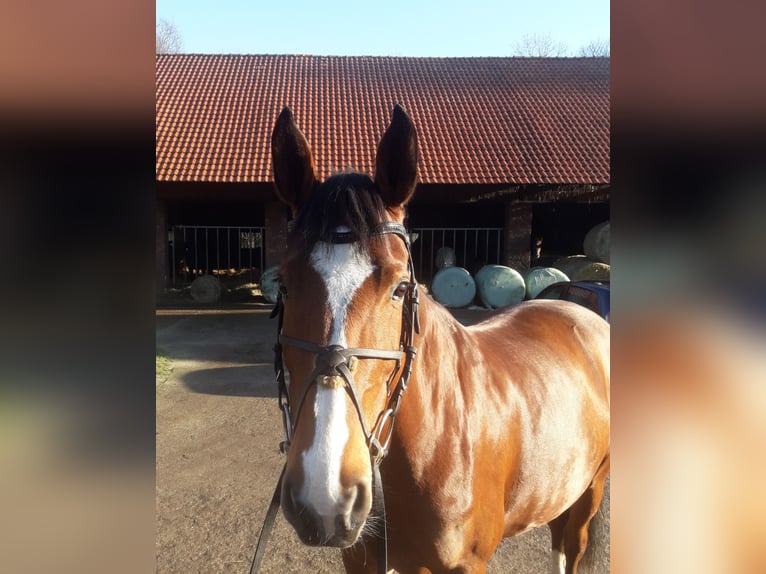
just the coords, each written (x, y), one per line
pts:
(339, 530)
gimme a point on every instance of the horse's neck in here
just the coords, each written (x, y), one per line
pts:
(441, 329)
(441, 394)
(444, 348)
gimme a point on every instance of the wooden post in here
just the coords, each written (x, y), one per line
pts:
(161, 245)
(517, 236)
(275, 222)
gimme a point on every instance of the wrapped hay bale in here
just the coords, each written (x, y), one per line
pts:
(453, 287)
(500, 286)
(596, 243)
(593, 271)
(538, 278)
(445, 257)
(269, 285)
(581, 268)
(570, 264)
(206, 289)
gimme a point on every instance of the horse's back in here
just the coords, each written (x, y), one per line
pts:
(555, 330)
(550, 309)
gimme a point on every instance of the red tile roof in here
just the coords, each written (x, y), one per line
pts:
(479, 120)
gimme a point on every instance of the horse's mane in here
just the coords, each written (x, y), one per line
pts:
(347, 199)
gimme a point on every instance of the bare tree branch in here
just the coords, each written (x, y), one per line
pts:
(595, 49)
(168, 38)
(539, 46)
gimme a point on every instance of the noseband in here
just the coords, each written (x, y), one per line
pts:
(334, 368)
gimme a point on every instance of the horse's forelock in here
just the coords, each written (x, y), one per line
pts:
(349, 200)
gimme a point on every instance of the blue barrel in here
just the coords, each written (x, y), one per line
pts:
(538, 278)
(500, 286)
(453, 287)
(269, 285)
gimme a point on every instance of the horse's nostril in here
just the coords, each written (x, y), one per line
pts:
(344, 523)
(300, 516)
(362, 500)
(338, 527)
(288, 499)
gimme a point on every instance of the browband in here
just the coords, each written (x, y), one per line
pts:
(384, 228)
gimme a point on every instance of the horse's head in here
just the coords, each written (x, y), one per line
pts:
(346, 283)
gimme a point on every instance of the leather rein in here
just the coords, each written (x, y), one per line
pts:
(334, 368)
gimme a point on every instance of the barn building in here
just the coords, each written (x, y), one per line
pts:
(514, 153)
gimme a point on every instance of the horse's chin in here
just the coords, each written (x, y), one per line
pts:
(312, 531)
(344, 542)
(339, 524)
(335, 541)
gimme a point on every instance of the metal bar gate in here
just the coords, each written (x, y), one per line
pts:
(473, 247)
(236, 253)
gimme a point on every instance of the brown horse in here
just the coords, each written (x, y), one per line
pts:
(503, 427)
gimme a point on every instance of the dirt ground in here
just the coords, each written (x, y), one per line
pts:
(218, 430)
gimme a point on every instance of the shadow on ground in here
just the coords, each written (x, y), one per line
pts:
(244, 381)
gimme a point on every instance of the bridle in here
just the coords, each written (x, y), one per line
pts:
(334, 368)
(335, 364)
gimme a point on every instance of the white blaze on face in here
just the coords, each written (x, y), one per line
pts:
(343, 270)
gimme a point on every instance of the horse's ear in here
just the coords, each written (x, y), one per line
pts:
(396, 165)
(294, 173)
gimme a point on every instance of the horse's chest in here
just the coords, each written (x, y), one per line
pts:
(432, 508)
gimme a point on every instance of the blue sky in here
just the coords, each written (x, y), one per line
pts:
(383, 28)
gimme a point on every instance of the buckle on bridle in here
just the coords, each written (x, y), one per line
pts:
(378, 448)
(377, 451)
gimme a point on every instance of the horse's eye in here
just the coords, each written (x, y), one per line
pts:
(400, 291)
